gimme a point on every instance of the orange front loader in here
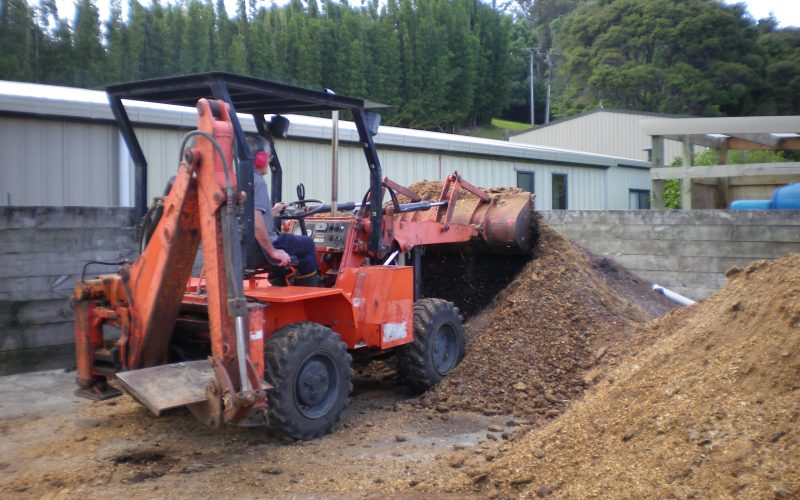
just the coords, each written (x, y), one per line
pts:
(230, 345)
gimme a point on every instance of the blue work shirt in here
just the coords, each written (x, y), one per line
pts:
(262, 202)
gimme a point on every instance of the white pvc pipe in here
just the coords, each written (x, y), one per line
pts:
(675, 297)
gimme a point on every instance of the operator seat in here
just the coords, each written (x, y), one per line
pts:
(257, 261)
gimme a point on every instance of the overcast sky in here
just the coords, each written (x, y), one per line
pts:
(786, 11)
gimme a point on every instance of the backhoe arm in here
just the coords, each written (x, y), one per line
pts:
(144, 298)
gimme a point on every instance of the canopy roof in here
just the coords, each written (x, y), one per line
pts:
(248, 95)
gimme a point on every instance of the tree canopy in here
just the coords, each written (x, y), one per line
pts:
(696, 57)
(442, 64)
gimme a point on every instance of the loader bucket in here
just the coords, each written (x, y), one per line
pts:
(503, 225)
(506, 223)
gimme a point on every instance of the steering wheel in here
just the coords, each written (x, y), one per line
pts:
(297, 209)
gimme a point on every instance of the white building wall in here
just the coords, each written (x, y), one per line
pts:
(161, 148)
(603, 132)
(620, 182)
(61, 163)
(309, 163)
(66, 151)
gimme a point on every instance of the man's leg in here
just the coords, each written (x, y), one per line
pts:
(303, 248)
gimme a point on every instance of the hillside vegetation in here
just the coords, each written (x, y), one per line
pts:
(443, 64)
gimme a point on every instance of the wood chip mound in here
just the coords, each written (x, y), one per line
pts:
(712, 408)
(530, 349)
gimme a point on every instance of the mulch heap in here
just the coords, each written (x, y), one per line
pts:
(712, 408)
(529, 350)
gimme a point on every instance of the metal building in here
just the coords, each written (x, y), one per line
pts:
(612, 132)
(61, 147)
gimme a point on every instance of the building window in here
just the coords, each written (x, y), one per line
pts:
(638, 199)
(526, 181)
(559, 191)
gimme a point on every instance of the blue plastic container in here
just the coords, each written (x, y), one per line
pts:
(786, 197)
(750, 205)
(783, 198)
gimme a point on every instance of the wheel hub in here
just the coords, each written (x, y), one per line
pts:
(316, 386)
(444, 349)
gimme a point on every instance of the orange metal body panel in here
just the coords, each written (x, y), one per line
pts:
(326, 306)
(383, 299)
(369, 307)
(407, 235)
(255, 346)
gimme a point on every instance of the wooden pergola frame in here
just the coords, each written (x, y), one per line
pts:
(723, 135)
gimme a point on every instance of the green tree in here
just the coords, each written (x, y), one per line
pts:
(17, 36)
(682, 56)
(88, 49)
(196, 46)
(57, 63)
(224, 33)
(781, 48)
(116, 44)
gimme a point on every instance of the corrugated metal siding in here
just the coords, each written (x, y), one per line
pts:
(82, 162)
(75, 163)
(310, 163)
(603, 132)
(161, 148)
(57, 163)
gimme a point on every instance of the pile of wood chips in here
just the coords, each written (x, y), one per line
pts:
(711, 408)
(529, 350)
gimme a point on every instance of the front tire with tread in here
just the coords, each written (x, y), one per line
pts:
(438, 345)
(311, 372)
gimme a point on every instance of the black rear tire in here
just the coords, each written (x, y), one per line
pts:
(438, 345)
(311, 372)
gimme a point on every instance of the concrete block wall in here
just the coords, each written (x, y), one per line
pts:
(687, 251)
(42, 253)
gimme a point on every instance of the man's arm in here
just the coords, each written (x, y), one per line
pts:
(262, 236)
(278, 209)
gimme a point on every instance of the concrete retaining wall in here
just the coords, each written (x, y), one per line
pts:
(42, 253)
(687, 251)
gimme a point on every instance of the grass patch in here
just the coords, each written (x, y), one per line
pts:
(498, 129)
(515, 126)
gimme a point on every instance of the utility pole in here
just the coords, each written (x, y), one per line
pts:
(334, 162)
(549, 61)
(533, 107)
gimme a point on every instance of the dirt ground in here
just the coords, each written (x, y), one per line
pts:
(389, 440)
(569, 388)
(55, 445)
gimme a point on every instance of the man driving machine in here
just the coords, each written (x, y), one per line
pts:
(279, 247)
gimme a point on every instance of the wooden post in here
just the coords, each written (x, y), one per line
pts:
(657, 191)
(686, 182)
(723, 183)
